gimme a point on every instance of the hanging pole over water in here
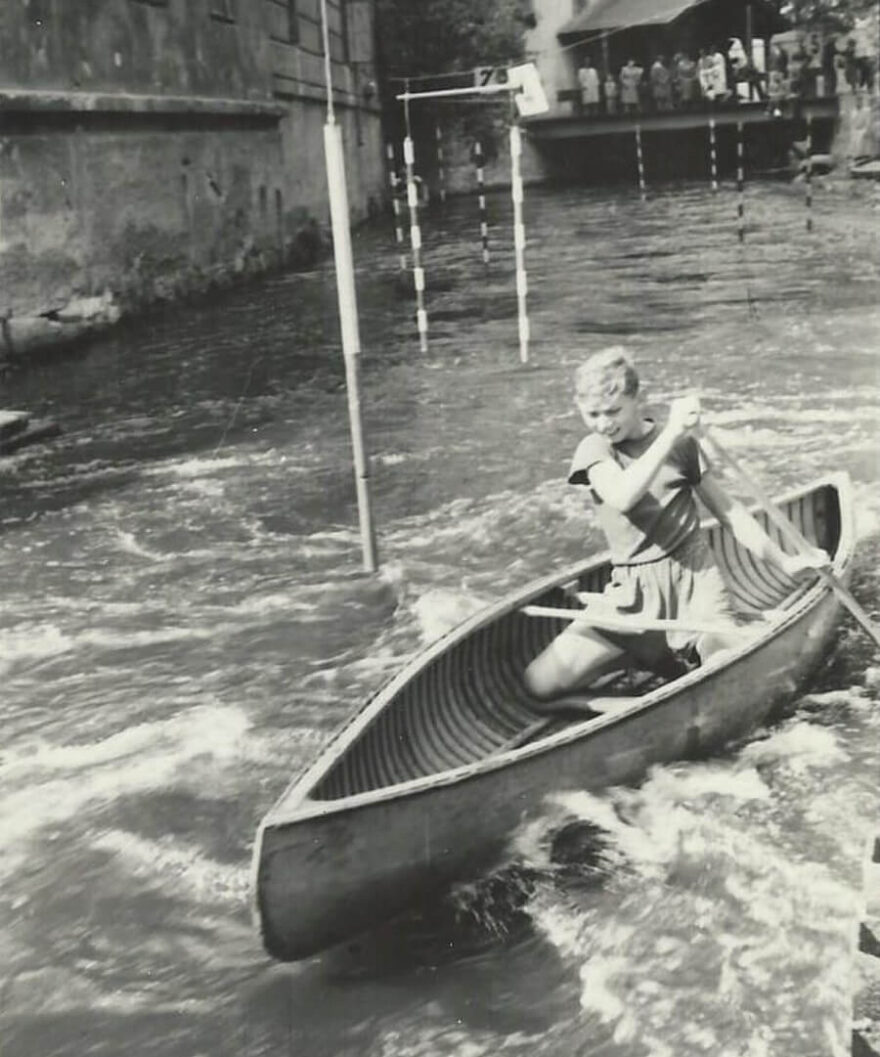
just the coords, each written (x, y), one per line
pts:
(441, 172)
(527, 94)
(740, 184)
(809, 173)
(348, 315)
(640, 161)
(415, 232)
(713, 154)
(481, 201)
(519, 239)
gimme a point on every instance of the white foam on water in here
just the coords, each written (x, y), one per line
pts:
(200, 467)
(55, 989)
(799, 746)
(56, 783)
(171, 864)
(129, 544)
(32, 643)
(439, 611)
(703, 888)
(867, 510)
(133, 639)
(422, 1038)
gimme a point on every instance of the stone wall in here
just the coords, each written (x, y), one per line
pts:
(153, 148)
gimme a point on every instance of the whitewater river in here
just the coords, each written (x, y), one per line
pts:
(185, 621)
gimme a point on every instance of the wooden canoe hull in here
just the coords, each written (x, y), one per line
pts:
(334, 868)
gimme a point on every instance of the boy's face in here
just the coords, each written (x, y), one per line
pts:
(617, 417)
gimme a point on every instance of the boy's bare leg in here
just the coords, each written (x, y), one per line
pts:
(572, 660)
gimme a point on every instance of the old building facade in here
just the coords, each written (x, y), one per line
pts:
(150, 148)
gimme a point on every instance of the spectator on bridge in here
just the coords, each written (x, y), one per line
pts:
(630, 83)
(797, 70)
(661, 84)
(686, 85)
(588, 78)
(814, 80)
(611, 94)
(719, 59)
(706, 74)
(777, 90)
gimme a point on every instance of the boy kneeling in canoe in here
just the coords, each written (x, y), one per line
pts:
(643, 480)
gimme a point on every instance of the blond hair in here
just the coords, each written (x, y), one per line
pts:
(610, 372)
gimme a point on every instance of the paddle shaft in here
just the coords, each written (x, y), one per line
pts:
(633, 624)
(791, 533)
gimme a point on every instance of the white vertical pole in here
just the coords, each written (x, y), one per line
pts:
(713, 154)
(481, 202)
(441, 172)
(415, 238)
(640, 161)
(519, 239)
(809, 173)
(395, 205)
(348, 315)
(740, 183)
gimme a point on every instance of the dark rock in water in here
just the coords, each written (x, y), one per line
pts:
(578, 852)
(866, 170)
(25, 431)
(12, 423)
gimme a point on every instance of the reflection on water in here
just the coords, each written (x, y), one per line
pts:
(185, 621)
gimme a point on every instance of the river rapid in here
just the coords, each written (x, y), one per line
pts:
(185, 622)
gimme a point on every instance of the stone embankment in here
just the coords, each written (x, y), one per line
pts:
(58, 325)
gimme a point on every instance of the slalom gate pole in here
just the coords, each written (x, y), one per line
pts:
(395, 205)
(519, 239)
(640, 161)
(348, 314)
(809, 173)
(441, 171)
(481, 201)
(740, 184)
(415, 233)
(713, 153)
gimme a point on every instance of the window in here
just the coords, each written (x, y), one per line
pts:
(343, 29)
(283, 20)
(222, 10)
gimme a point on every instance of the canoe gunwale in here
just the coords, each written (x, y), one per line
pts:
(295, 804)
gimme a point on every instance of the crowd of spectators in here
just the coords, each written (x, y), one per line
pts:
(812, 68)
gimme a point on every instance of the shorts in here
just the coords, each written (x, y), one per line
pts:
(686, 583)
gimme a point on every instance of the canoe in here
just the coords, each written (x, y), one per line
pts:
(425, 784)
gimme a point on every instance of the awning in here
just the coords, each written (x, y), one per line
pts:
(613, 14)
(600, 16)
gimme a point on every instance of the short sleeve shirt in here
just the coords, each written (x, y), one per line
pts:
(665, 517)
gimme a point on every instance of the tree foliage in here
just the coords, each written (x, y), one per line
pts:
(438, 36)
(826, 14)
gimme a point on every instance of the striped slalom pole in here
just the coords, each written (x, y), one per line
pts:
(395, 205)
(809, 174)
(441, 171)
(519, 239)
(740, 184)
(713, 153)
(415, 237)
(481, 199)
(640, 161)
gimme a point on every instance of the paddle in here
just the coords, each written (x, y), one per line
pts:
(634, 624)
(750, 483)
